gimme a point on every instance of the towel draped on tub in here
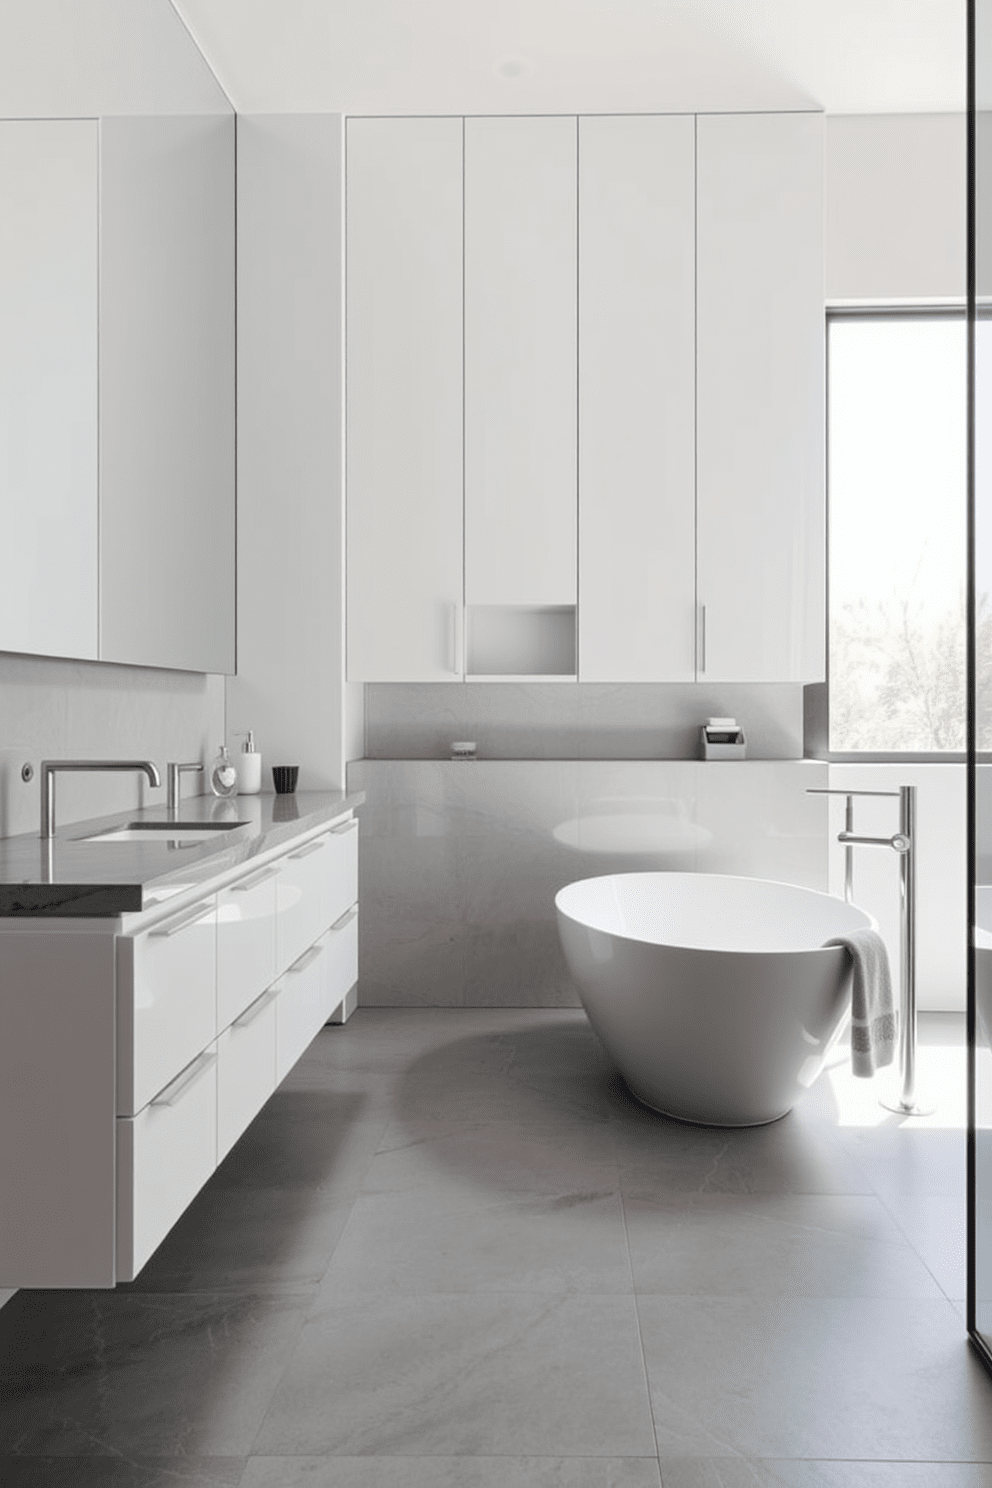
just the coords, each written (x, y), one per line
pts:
(873, 1019)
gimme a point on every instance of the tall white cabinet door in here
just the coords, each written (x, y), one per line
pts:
(48, 386)
(520, 361)
(637, 531)
(167, 343)
(760, 399)
(404, 399)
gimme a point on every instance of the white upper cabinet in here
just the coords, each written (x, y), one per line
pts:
(167, 345)
(760, 408)
(404, 399)
(520, 362)
(637, 399)
(48, 386)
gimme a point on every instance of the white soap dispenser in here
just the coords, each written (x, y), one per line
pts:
(223, 775)
(249, 766)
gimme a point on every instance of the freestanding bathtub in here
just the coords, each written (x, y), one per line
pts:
(714, 996)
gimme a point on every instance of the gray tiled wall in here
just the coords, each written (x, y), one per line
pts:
(460, 862)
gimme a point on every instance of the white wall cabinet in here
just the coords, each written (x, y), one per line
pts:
(760, 398)
(98, 1163)
(49, 233)
(643, 399)
(117, 390)
(637, 243)
(404, 399)
(520, 361)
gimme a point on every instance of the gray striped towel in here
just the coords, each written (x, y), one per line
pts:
(873, 1019)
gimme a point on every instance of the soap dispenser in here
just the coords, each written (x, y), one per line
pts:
(249, 766)
(223, 775)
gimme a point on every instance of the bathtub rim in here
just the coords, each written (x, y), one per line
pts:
(871, 922)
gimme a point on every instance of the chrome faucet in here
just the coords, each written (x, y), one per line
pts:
(174, 773)
(50, 767)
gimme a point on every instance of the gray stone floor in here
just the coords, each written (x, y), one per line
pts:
(453, 1253)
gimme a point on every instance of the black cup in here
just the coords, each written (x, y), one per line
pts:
(284, 778)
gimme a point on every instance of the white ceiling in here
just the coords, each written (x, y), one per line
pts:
(505, 56)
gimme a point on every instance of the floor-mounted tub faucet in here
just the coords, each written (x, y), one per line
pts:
(903, 842)
(49, 768)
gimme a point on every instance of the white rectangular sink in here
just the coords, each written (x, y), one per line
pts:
(165, 832)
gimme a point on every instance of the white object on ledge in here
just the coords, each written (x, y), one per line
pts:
(722, 739)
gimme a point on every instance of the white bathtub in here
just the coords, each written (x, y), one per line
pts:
(713, 995)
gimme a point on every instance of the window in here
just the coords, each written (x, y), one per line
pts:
(897, 532)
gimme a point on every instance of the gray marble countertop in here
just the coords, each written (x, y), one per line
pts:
(72, 877)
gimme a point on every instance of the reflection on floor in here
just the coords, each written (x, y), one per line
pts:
(453, 1253)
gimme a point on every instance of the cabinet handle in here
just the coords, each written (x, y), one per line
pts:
(307, 959)
(188, 1077)
(253, 880)
(344, 920)
(458, 639)
(256, 1009)
(311, 847)
(182, 922)
(348, 826)
(702, 640)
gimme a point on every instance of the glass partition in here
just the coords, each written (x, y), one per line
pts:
(980, 676)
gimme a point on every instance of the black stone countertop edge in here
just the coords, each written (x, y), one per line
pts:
(72, 878)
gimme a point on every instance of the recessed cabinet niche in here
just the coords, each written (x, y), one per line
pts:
(585, 356)
(117, 390)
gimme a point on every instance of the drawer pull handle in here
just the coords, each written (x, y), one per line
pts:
(345, 919)
(348, 826)
(253, 880)
(256, 1009)
(184, 1081)
(311, 847)
(182, 922)
(307, 959)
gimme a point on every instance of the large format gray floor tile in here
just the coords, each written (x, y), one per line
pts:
(772, 1245)
(903, 1160)
(658, 1156)
(452, 1472)
(814, 1378)
(935, 1227)
(108, 1373)
(489, 1158)
(121, 1472)
(443, 1241)
(477, 1374)
(738, 1472)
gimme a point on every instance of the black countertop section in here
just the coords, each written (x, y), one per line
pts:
(70, 877)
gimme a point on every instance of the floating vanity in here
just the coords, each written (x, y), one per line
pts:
(155, 988)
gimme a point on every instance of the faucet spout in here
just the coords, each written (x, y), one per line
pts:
(49, 768)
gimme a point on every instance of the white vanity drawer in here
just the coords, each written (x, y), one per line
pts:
(342, 878)
(302, 899)
(342, 953)
(302, 1008)
(246, 941)
(165, 1154)
(167, 1003)
(246, 1069)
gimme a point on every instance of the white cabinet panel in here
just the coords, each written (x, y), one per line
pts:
(167, 392)
(404, 399)
(165, 1154)
(342, 952)
(48, 386)
(342, 869)
(246, 1069)
(246, 941)
(166, 1003)
(520, 361)
(760, 409)
(302, 898)
(637, 399)
(303, 1005)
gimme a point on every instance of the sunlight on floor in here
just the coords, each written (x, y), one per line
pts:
(941, 1083)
